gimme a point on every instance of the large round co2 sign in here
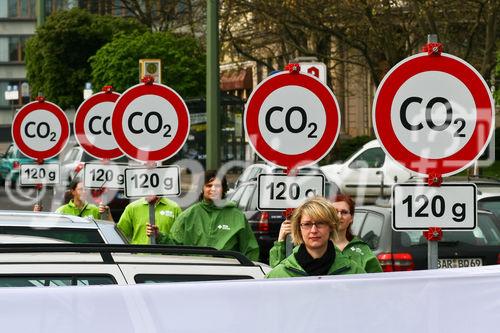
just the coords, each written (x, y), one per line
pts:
(40, 130)
(433, 114)
(92, 126)
(292, 119)
(150, 122)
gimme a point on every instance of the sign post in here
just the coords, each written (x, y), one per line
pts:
(292, 120)
(150, 123)
(433, 113)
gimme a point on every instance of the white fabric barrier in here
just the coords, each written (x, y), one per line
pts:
(458, 300)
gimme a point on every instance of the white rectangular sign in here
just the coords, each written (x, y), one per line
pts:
(420, 206)
(317, 69)
(97, 175)
(279, 192)
(32, 174)
(161, 181)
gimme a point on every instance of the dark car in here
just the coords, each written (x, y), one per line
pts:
(265, 225)
(407, 250)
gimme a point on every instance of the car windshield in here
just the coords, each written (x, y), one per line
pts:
(76, 235)
(492, 204)
(486, 233)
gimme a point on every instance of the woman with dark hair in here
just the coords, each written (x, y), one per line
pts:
(314, 228)
(212, 221)
(77, 204)
(350, 245)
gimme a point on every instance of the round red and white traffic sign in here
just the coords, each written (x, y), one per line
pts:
(150, 122)
(292, 119)
(92, 126)
(433, 114)
(40, 130)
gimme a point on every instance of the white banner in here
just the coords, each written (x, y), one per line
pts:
(458, 300)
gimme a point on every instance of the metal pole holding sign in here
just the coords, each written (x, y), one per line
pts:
(433, 236)
(152, 238)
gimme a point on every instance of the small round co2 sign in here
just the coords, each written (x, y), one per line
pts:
(433, 114)
(292, 119)
(92, 126)
(40, 130)
(150, 122)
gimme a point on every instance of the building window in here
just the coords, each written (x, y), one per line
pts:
(12, 48)
(21, 8)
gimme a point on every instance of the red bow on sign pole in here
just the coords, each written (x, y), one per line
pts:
(434, 234)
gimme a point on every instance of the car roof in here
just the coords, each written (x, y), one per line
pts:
(105, 254)
(44, 220)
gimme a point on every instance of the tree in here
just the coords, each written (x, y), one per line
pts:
(57, 56)
(187, 16)
(378, 33)
(183, 61)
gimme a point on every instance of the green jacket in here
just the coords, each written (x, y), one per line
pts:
(289, 267)
(88, 210)
(135, 217)
(357, 250)
(205, 224)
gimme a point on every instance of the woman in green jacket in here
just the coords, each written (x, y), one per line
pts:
(314, 226)
(350, 246)
(212, 222)
(78, 205)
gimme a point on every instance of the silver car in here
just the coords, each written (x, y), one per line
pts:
(66, 228)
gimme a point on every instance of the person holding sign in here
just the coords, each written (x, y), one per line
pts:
(351, 246)
(77, 204)
(212, 222)
(314, 226)
(135, 218)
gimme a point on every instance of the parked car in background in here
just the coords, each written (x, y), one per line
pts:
(407, 250)
(10, 164)
(368, 174)
(66, 228)
(23, 265)
(72, 162)
(265, 224)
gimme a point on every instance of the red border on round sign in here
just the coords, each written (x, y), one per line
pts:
(23, 113)
(390, 85)
(78, 126)
(182, 114)
(332, 126)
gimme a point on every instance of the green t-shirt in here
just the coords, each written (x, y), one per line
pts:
(135, 217)
(87, 210)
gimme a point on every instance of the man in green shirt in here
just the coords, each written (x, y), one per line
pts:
(135, 218)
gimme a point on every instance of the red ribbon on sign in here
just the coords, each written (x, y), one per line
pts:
(435, 180)
(107, 89)
(40, 99)
(433, 49)
(293, 68)
(148, 79)
(287, 213)
(433, 234)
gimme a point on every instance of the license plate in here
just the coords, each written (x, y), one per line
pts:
(460, 262)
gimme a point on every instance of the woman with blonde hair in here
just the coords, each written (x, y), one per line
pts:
(314, 226)
(351, 246)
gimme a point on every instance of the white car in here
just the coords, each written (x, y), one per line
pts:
(43, 265)
(367, 174)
